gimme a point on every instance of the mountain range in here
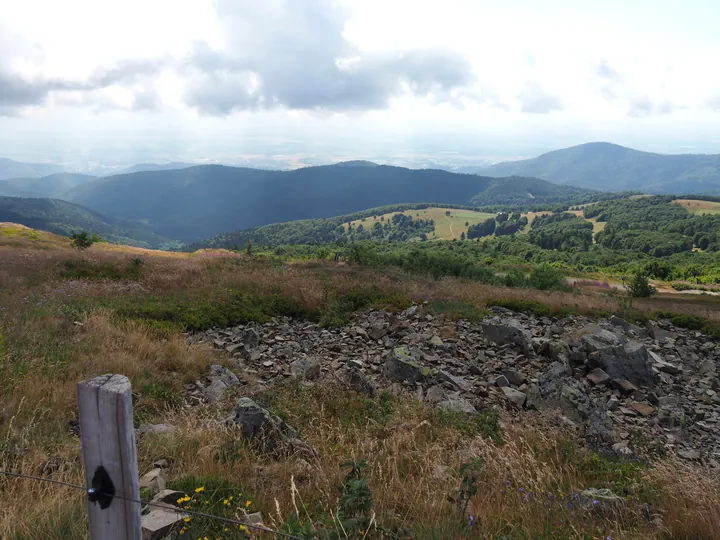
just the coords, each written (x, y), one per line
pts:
(611, 167)
(203, 201)
(63, 218)
(15, 169)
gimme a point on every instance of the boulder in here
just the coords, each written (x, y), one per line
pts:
(598, 377)
(307, 368)
(456, 382)
(629, 361)
(359, 382)
(513, 377)
(508, 331)
(658, 333)
(154, 481)
(250, 338)
(557, 351)
(457, 404)
(593, 338)
(435, 394)
(516, 397)
(270, 431)
(160, 523)
(662, 365)
(401, 367)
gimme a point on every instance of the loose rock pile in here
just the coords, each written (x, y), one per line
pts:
(616, 382)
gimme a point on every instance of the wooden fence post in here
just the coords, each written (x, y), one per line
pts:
(109, 453)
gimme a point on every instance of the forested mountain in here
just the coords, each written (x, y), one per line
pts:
(61, 217)
(15, 169)
(203, 201)
(611, 167)
(52, 186)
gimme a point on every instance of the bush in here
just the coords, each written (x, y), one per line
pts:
(83, 240)
(546, 277)
(639, 286)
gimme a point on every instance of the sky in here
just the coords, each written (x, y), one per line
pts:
(92, 82)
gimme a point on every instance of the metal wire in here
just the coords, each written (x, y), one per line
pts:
(150, 503)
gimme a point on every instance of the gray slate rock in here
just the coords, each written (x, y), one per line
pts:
(630, 362)
(401, 367)
(514, 396)
(508, 332)
(307, 368)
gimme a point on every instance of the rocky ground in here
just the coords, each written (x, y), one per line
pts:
(622, 386)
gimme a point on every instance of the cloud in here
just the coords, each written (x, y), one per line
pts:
(615, 86)
(288, 54)
(534, 99)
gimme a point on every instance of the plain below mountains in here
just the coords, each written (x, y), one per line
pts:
(611, 167)
(203, 201)
(64, 218)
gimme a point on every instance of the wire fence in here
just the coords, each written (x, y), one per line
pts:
(166, 507)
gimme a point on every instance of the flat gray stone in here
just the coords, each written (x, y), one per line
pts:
(514, 396)
(598, 377)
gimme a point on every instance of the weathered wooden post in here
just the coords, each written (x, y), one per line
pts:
(110, 457)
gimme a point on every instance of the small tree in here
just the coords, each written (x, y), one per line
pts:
(462, 236)
(83, 240)
(639, 286)
(249, 248)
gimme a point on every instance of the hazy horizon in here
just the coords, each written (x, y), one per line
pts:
(220, 80)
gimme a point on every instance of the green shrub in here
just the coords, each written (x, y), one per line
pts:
(639, 286)
(83, 240)
(692, 322)
(457, 310)
(515, 277)
(546, 277)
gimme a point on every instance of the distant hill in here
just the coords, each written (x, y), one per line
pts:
(16, 169)
(63, 218)
(610, 167)
(142, 167)
(52, 186)
(203, 201)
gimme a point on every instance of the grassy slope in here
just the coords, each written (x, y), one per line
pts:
(413, 453)
(446, 227)
(698, 207)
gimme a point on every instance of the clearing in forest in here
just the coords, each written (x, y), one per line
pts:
(449, 222)
(698, 207)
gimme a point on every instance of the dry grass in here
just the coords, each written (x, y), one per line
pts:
(414, 456)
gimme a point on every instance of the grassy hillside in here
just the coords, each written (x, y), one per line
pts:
(611, 167)
(52, 186)
(63, 218)
(203, 201)
(61, 325)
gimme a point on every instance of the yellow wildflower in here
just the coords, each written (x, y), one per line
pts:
(200, 489)
(243, 528)
(230, 498)
(248, 503)
(226, 502)
(187, 519)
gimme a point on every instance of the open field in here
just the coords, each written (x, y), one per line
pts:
(699, 207)
(446, 227)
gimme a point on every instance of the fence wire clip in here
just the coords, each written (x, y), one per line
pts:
(103, 489)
